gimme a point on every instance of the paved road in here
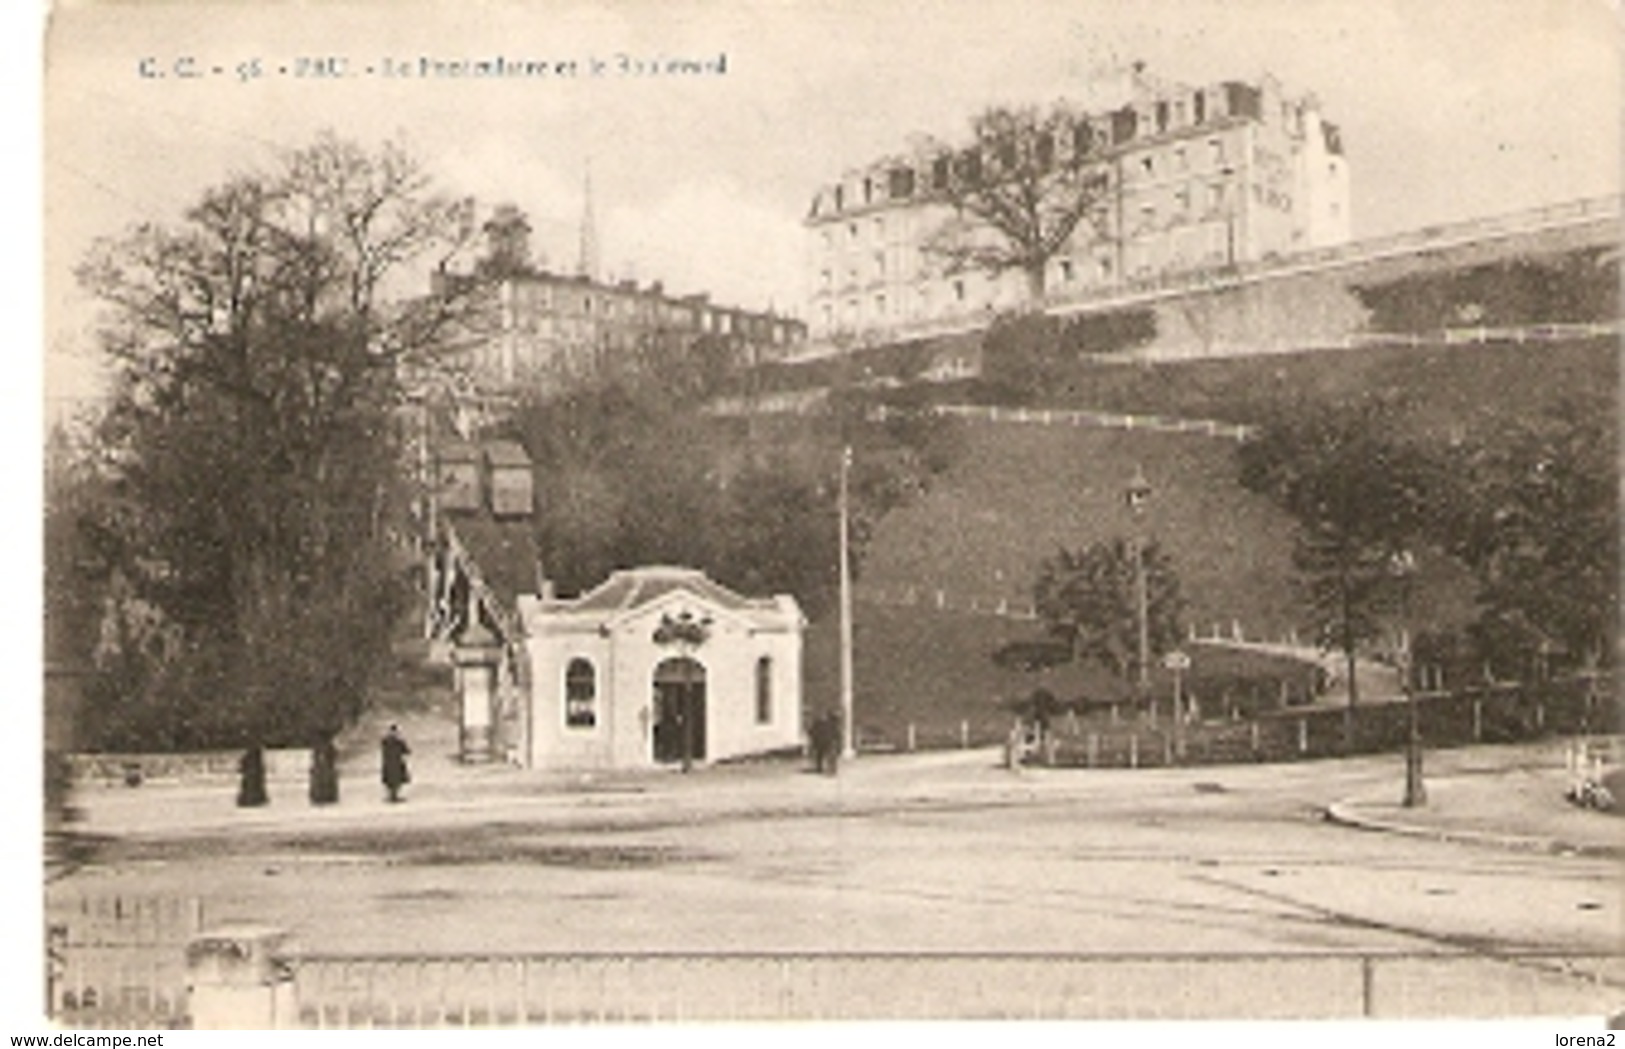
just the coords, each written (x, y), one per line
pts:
(924, 852)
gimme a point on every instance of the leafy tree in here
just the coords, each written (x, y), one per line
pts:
(627, 475)
(1361, 498)
(1019, 192)
(1027, 356)
(1112, 331)
(1545, 508)
(1022, 357)
(1576, 286)
(74, 582)
(1088, 600)
(507, 243)
(253, 471)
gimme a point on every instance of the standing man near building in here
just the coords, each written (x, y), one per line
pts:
(395, 750)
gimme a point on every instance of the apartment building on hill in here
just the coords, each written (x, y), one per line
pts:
(539, 328)
(1190, 178)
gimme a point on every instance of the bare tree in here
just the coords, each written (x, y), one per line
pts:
(1020, 192)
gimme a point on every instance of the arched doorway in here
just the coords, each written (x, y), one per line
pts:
(679, 721)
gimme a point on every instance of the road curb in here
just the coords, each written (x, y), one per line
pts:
(1346, 814)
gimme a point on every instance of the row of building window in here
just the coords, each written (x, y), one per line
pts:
(1089, 136)
(708, 321)
(1204, 245)
(1213, 200)
(537, 303)
(1210, 201)
(1145, 167)
(958, 294)
(1178, 159)
(581, 693)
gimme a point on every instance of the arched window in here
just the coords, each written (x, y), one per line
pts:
(580, 694)
(764, 691)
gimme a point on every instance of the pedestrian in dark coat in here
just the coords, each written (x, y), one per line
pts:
(832, 740)
(251, 788)
(826, 741)
(395, 774)
(324, 770)
(815, 742)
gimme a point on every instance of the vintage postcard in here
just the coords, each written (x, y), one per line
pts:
(684, 513)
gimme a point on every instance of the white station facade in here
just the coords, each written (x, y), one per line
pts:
(659, 666)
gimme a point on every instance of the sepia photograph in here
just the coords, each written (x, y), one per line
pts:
(646, 515)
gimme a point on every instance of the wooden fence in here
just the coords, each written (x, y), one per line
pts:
(1499, 714)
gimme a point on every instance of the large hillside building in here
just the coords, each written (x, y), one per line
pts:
(1193, 177)
(538, 328)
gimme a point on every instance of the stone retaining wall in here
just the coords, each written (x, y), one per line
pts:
(212, 766)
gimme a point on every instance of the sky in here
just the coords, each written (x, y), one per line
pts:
(1451, 109)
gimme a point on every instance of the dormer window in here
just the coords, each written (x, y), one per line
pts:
(901, 183)
(1044, 150)
(1083, 139)
(970, 167)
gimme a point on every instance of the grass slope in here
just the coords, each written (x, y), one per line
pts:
(1448, 389)
(1019, 491)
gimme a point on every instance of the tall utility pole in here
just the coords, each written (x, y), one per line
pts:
(428, 479)
(1403, 568)
(1136, 495)
(848, 750)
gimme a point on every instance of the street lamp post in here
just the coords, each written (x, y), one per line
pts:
(848, 750)
(1403, 568)
(1136, 496)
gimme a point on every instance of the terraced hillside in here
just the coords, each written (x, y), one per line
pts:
(1019, 490)
(1022, 490)
(1447, 388)
(1017, 493)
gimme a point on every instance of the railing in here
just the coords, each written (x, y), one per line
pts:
(211, 766)
(942, 600)
(505, 990)
(146, 987)
(1498, 714)
(118, 961)
(1090, 419)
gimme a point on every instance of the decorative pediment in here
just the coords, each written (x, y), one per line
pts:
(641, 600)
(682, 629)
